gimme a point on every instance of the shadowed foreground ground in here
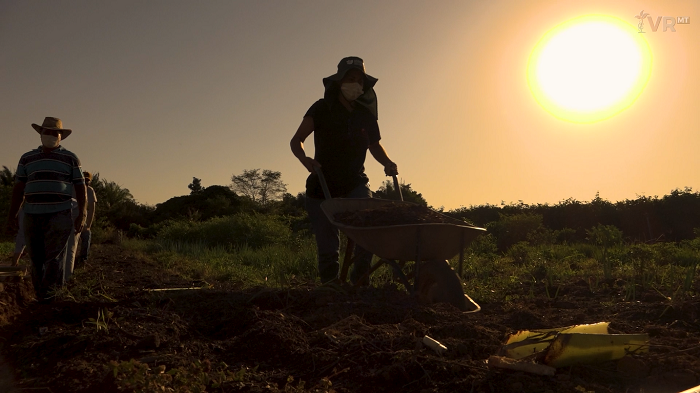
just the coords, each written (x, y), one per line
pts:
(323, 338)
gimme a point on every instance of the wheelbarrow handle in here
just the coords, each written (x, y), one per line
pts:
(397, 187)
(322, 179)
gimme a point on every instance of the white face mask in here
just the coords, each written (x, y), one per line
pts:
(351, 91)
(50, 141)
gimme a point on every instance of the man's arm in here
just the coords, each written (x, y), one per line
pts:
(81, 197)
(297, 143)
(17, 198)
(379, 154)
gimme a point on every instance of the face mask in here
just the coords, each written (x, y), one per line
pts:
(351, 91)
(50, 141)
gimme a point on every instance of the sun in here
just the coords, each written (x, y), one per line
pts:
(589, 68)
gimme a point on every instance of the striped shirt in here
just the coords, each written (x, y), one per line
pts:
(49, 179)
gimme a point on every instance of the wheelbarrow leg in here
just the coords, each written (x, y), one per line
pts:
(347, 260)
(397, 270)
(372, 269)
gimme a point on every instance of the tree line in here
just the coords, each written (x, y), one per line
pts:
(673, 217)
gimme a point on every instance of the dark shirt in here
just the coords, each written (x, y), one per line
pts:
(341, 139)
(50, 178)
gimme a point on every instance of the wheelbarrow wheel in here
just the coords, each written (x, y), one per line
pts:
(437, 282)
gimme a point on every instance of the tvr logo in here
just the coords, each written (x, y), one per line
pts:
(669, 22)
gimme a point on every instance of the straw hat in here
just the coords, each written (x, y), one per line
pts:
(53, 123)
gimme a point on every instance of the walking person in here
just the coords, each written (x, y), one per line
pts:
(344, 123)
(85, 237)
(72, 245)
(86, 234)
(45, 179)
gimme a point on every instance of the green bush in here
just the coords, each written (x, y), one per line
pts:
(254, 230)
(585, 249)
(136, 231)
(565, 236)
(510, 230)
(483, 245)
(520, 252)
(103, 231)
(685, 257)
(604, 235)
(7, 248)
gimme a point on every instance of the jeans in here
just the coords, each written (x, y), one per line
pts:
(85, 239)
(328, 241)
(47, 237)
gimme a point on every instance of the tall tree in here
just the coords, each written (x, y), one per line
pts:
(247, 183)
(109, 194)
(260, 186)
(271, 186)
(113, 194)
(7, 177)
(196, 186)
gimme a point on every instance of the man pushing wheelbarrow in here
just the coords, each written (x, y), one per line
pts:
(344, 123)
(345, 126)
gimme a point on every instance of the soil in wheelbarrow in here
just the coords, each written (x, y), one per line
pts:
(309, 338)
(394, 214)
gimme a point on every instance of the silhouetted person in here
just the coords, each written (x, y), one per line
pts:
(45, 179)
(86, 234)
(344, 123)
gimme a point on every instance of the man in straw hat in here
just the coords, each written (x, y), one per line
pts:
(45, 178)
(344, 123)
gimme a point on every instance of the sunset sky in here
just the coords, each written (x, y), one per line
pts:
(158, 92)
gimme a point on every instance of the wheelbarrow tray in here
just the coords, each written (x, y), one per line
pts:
(406, 242)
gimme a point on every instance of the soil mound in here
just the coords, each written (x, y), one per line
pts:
(394, 214)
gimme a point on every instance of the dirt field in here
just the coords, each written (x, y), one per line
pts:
(363, 340)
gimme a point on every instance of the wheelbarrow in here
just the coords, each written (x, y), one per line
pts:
(430, 245)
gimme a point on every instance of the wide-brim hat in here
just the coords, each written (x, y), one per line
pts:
(53, 123)
(345, 65)
(368, 99)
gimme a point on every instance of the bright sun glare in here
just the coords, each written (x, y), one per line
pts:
(589, 68)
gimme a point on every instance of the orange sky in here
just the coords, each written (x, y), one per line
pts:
(159, 92)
